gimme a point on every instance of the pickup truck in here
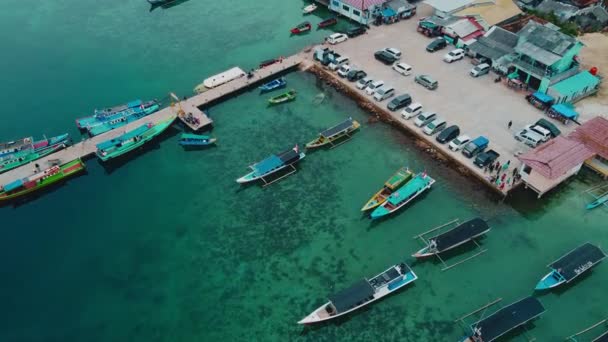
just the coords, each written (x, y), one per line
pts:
(476, 146)
(486, 158)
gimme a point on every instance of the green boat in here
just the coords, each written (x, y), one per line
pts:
(26, 156)
(417, 185)
(402, 176)
(285, 97)
(40, 180)
(131, 140)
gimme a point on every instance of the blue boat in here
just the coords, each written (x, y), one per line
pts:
(187, 139)
(272, 164)
(598, 201)
(571, 265)
(410, 190)
(273, 85)
(107, 119)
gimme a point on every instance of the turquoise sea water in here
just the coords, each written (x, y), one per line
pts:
(165, 246)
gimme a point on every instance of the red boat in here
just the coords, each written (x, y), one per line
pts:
(303, 27)
(268, 62)
(327, 22)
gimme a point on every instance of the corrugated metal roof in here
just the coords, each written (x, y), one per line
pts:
(492, 12)
(556, 157)
(463, 27)
(448, 5)
(363, 4)
(537, 53)
(576, 83)
(594, 134)
(546, 39)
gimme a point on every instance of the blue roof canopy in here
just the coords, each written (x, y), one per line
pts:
(388, 12)
(565, 111)
(13, 185)
(267, 164)
(542, 97)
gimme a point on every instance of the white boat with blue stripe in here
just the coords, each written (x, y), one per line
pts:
(272, 164)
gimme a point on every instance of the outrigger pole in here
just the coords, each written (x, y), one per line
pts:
(573, 337)
(293, 170)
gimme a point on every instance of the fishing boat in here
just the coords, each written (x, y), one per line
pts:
(302, 28)
(419, 183)
(272, 164)
(131, 140)
(285, 97)
(504, 320)
(107, 119)
(335, 133)
(327, 22)
(602, 199)
(273, 85)
(219, 79)
(453, 238)
(362, 293)
(188, 139)
(63, 139)
(309, 9)
(402, 176)
(27, 156)
(40, 180)
(571, 265)
(15, 146)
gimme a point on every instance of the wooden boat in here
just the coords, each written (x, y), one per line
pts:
(335, 133)
(40, 180)
(219, 79)
(602, 199)
(407, 193)
(268, 62)
(187, 139)
(27, 156)
(285, 97)
(327, 22)
(273, 85)
(571, 265)
(15, 146)
(362, 293)
(272, 164)
(108, 119)
(309, 9)
(504, 320)
(453, 238)
(46, 143)
(301, 28)
(402, 176)
(131, 140)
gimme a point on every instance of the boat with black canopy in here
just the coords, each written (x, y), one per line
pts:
(459, 235)
(272, 164)
(504, 320)
(362, 293)
(571, 265)
(335, 133)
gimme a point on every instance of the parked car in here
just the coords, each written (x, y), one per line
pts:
(475, 146)
(362, 83)
(384, 93)
(344, 70)
(548, 125)
(434, 126)
(424, 118)
(448, 134)
(385, 57)
(399, 102)
(396, 53)
(436, 45)
(458, 143)
(454, 55)
(355, 31)
(336, 38)
(412, 110)
(486, 158)
(403, 69)
(356, 75)
(373, 86)
(329, 57)
(480, 69)
(427, 82)
(529, 137)
(338, 62)
(545, 133)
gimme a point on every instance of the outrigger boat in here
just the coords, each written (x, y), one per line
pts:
(453, 238)
(602, 199)
(187, 139)
(27, 156)
(285, 97)
(402, 176)
(419, 184)
(40, 180)
(272, 164)
(302, 28)
(362, 293)
(131, 140)
(273, 85)
(504, 320)
(309, 9)
(330, 135)
(571, 265)
(110, 118)
(327, 22)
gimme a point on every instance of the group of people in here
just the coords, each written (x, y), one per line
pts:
(499, 175)
(192, 120)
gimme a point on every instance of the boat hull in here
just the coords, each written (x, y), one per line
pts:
(425, 253)
(211, 141)
(252, 176)
(549, 281)
(601, 200)
(30, 156)
(382, 211)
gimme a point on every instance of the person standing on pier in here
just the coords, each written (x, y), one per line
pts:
(510, 124)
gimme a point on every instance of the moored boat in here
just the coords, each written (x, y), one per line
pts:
(402, 176)
(332, 134)
(188, 139)
(40, 180)
(309, 9)
(285, 97)
(453, 238)
(571, 265)
(301, 28)
(272, 164)
(268, 62)
(273, 85)
(131, 140)
(27, 156)
(327, 22)
(602, 199)
(15, 146)
(219, 79)
(107, 119)
(362, 293)
(408, 192)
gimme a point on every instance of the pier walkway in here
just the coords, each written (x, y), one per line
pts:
(178, 109)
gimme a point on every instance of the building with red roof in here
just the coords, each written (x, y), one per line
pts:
(594, 134)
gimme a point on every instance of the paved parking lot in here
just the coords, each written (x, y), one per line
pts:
(479, 106)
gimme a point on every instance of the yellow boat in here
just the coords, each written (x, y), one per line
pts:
(330, 135)
(402, 176)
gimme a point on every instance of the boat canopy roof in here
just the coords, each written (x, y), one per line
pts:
(267, 164)
(460, 233)
(338, 129)
(409, 189)
(542, 97)
(129, 135)
(508, 318)
(565, 111)
(13, 185)
(191, 136)
(398, 178)
(223, 77)
(352, 296)
(578, 261)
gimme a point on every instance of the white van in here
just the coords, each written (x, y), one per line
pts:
(384, 93)
(458, 143)
(338, 63)
(411, 110)
(344, 70)
(434, 126)
(529, 137)
(424, 118)
(372, 86)
(540, 130)
(403, 69)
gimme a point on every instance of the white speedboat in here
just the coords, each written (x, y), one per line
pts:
(309, 9)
